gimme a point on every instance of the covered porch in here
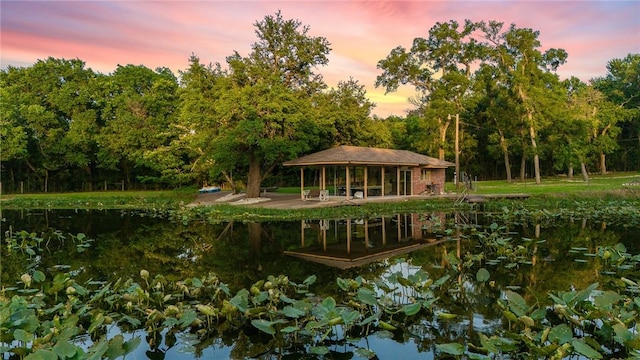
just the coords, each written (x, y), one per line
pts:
(355, 172)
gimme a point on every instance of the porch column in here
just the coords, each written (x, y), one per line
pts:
(348, 189)
(324, 240)
(366, 180)
(302, 182)
(348, 236)
(324, 179)
(382, 182)
(384, 231)
(366, 235)
(397, 180)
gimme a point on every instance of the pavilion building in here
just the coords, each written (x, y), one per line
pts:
(362, 172)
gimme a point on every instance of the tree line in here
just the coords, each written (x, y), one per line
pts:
(65, 127)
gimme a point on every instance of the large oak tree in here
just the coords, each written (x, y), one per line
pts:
(260, 112)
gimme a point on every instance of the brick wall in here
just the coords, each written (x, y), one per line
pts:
(437, 179)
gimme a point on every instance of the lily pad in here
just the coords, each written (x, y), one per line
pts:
(264, 325)
(411, 309)
(483, 275)
(319, 350)
(367, 296)
(451, 348)
(561, 334)
(582, 348)
(292, 312)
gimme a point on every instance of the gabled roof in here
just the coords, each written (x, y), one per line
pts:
(356, 155)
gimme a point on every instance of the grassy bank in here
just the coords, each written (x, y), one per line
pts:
(168, 199)
(560, 185)
(552, 193)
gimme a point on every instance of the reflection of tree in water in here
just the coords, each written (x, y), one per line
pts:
(244, 253)
(555, 263)
(474, 302)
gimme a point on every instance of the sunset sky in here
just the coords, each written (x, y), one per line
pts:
(165, 33)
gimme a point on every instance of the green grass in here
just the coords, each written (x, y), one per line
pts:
(291, 189)
(165, 199)
(556, 185)
(597, 187)
(549, 186)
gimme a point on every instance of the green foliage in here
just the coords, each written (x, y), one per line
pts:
(438, 67)
(139, 109)
(49, 118)
(151, 200)
(66, 127)
(592, 320)
(258, 113)
(44, 323)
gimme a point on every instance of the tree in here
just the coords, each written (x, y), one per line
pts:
(403, 131)
(602, 118)
(345, 114)
(621, 86)
(202, 87)
(528, 76)
(264, 105)
(48, 110)
(12, 132)
(139, 107)
(439, 68)
(498, 111)
(570, 138)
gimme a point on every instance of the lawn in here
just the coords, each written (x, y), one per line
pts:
(100, 199)
(549, 186)
(168, 199)
(557, 185)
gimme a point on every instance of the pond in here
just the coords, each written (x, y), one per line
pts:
(472, 276)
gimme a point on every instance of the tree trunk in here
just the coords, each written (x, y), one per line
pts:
(536, 167)
(87, 170)
(229, 178)
(254, 179)
(505, 153)
(443, 136)
(457, 145)
(255, 236)
(603, 164)
(46, 180)
(523, 167)
(127, 174)
(536, 157)
(585, 174)
(13, 178)
(570, 172)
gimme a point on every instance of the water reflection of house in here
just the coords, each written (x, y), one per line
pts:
(348, 243)
(353, 171)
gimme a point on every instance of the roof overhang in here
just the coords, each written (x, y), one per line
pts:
(364, 156)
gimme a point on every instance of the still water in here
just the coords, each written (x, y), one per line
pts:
(118, 244)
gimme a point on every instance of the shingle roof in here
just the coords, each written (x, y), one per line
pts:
(356, 155)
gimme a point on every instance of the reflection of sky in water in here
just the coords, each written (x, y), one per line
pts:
(384, 349)
(406, 351)
(179, 351)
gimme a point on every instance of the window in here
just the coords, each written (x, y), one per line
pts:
(426, 175)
